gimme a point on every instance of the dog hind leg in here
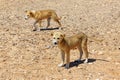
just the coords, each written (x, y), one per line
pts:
(48, 22)
(56, 20)
(34, 26)
(80, 51)
(40, 23)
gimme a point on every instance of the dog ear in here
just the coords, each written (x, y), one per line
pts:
(62, 35)
(31, 13)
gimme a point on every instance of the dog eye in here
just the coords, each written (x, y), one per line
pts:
(58, 38)
(54, 38)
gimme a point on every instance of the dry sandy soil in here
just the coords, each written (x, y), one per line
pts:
(28, 55)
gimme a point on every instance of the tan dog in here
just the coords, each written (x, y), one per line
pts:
(40, 15)
(67, 43)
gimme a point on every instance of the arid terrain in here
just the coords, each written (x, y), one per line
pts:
(29, 55)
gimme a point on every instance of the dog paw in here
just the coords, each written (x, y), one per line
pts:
(86, 61)
(60, 65)
(79, 60)
(60, 28)
(38, 30)
(67, 66)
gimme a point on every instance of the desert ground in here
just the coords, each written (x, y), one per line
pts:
(30, 55)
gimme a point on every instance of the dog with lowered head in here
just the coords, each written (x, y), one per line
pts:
(40, 15)
(65, 44)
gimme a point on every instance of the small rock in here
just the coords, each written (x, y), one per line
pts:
(43, 39)
(97, 79)
(93, 51)
(14, 44)
(58, 70)
(100, 53)
(119, 48)
(79, 67)
(109, 58)
(7, 29)
(117, 63)
(69, 71)
(47, 47)
(90, 63)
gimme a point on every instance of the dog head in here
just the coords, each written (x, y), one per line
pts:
(29, 14)
(57, 37)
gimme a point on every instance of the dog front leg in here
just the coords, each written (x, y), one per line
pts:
(85, 50)
(67, 60)
(34, 26)
(63, 58)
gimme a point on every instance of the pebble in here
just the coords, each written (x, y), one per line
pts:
(48, 47)
(117, 63)
(90, 63)
(97, 79)
(109, 58)
(79, 67)
(100, 53)
(119, 48)
(93, 51)
(70, 72)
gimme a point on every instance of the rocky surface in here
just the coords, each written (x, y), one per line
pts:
(28, 55)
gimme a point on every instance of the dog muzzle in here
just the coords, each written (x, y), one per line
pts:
(55, 42)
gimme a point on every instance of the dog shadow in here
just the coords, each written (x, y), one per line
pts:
(49, 29)
(76, 62)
